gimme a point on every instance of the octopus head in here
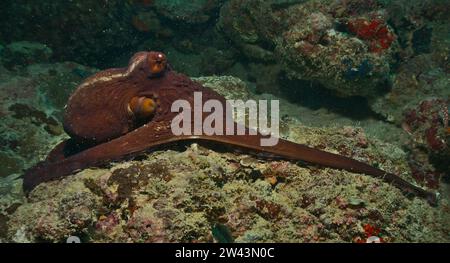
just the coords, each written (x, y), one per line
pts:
(157, 62)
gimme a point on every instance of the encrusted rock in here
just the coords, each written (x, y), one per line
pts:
(181, 196)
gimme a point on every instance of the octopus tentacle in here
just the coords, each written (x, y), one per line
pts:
(133, 142)
(293, 151)
(141, 142)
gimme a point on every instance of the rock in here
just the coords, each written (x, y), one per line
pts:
(24, 53)
(251, 26)
(191, 12)
(180, 196)
(10, 165)
(11, 198)
(87, 32)
(230, 87)
(349, 63)
(32, 100)
(311, 42)
(429, 145)
(417, 79)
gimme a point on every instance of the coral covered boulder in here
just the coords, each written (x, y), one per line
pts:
(355, 63)
(347, 48)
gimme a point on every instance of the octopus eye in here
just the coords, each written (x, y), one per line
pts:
(142, 107)
(157, 62)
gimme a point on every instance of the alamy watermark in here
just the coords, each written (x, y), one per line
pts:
(255, 112)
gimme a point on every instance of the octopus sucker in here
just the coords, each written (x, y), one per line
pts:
(119, 113)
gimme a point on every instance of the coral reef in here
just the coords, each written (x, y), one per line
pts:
(394, 53)
(251, 26)
(183, 194)
(192, 12)
(32, 100)
(423, 68)
(179, 196)
(24, 53)
(32, 97)
(350, 47)
(97, 28)
(229, 87)
(429, 149)
(419, 78)
(101, 28)
(345, 52)
(339, 61)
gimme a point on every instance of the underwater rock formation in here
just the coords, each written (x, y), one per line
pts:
(421, 26)
(31, 101)
(353, 48)
(348, 53)
(350, 47)
(228, 86)
(101, 28)
(251, 26)
(31, 110)
(186, 194)
(419, 78)
(183, 195)
(422, 71)
(191, 12)
(313, 49)
(97, 28)
(429, 147)
(24, 53)
(11, 198)
(419, 97)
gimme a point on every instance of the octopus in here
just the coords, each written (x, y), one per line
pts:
(121, 112)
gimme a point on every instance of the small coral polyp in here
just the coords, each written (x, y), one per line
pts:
(375, 32)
